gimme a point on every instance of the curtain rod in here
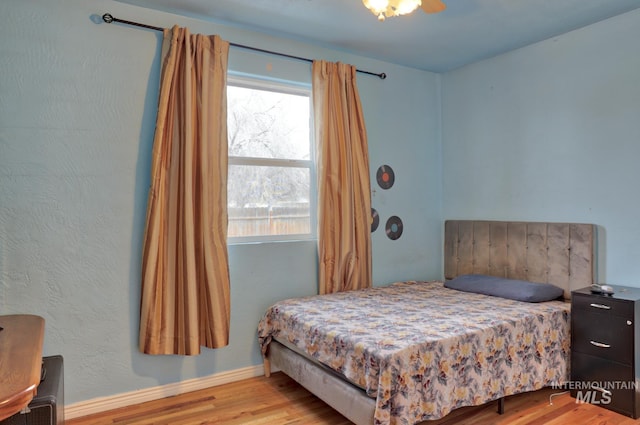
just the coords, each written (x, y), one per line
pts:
(108, 18)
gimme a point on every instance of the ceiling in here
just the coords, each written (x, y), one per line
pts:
(467, 31)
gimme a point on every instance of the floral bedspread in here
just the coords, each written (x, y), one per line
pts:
(423, 350)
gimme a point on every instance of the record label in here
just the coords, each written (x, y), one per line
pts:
(394, 227)
(375, 220)
(385, 176)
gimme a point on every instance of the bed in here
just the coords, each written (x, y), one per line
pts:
(414, 351)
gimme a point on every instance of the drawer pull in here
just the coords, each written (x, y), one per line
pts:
(600, 344)
(602, 390)
(602, 306)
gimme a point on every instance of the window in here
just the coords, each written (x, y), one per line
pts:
(271, 186)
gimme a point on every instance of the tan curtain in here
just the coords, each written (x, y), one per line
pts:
(344, 196)
(185, 274)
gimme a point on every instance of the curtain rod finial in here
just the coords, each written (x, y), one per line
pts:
(107, 17)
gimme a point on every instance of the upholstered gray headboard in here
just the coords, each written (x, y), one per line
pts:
(557, 253)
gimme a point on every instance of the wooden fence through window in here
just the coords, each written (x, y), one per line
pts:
(269, 220)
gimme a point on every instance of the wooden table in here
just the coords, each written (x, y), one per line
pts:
(21, 340)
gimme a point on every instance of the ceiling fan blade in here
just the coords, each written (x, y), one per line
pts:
(433, 6)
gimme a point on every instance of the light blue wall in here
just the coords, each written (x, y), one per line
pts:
(77, 113)
(551, 132)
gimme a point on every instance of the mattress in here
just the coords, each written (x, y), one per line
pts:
(421, 350)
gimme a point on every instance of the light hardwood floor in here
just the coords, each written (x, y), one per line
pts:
(278, 400)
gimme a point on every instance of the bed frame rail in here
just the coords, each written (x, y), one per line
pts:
(347, 399)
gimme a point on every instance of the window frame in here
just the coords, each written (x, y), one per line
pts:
(293, 88)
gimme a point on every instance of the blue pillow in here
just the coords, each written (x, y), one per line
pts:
(519, 290)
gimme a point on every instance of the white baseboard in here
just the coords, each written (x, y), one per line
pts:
(103, 404)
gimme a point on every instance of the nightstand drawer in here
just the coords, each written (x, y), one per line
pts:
(614, 378)
(603, 335)
(605, 348)
(602, 304)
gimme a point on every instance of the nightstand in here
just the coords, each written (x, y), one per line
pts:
(605, 349)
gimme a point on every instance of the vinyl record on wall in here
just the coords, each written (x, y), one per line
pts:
(385, 176)
(375, 220)
(394, 227)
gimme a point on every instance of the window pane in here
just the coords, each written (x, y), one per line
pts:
(267, 201)
(267, 124)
